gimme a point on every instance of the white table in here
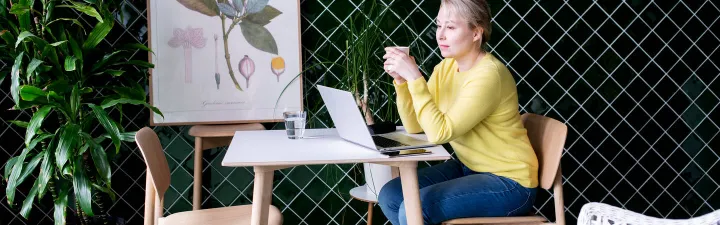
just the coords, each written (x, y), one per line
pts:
(270, 150)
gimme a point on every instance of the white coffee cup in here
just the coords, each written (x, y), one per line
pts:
(406, 50)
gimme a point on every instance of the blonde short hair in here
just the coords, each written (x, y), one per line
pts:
(476, 12)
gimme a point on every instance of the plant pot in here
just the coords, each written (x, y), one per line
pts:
(376, 176)
(382, 128)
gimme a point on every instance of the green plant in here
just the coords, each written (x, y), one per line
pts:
(70, 84)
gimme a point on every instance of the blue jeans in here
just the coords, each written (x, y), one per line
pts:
(451, 190)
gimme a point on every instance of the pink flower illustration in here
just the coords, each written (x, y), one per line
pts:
(188, 38)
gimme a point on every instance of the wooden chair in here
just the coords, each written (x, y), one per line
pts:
(547, 137)
(158, 181)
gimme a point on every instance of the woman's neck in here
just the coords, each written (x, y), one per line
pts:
(469, 60)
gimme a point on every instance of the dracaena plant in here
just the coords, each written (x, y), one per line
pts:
(70, 85)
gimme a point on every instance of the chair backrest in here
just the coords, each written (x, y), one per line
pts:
(158, 173)
(547, 137)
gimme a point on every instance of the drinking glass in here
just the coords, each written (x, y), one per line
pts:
(295, 124)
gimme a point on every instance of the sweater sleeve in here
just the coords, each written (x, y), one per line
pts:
(405, 106)
(478, 96)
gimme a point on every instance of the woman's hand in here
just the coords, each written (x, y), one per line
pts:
(399, 64)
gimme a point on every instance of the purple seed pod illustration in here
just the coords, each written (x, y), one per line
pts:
(277, 66)
(188, 38)
(247, 68)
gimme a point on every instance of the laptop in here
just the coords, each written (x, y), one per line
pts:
(351, 125)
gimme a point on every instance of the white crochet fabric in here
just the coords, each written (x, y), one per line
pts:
(602, 214)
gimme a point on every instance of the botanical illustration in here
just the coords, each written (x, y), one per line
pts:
(188, 38)
(247, 68)
(277, 66)
(250, 15)
(217, 73)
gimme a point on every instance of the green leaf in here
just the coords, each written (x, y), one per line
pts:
(2, 76)
(75, 100)
(140, 63)
(98, 33)
(136, 92)
(106, 190)
(70, 63)
(39, 139)
(7, 36)
(57, 43)
(253, 6)
(15, 76)
(109, 125)
(29, 199)
(82, 187)
(50, 52)
(32, 66)
(263, 17)
(74, 21)
(88, 10)
(259, 37)
(3, 8)
(100, 158)
(9, 166)
(105, 59)
(19, 9)
(110, 103)
(61, 204)
(52, 95)
(31, 93)
(115, 73)
(25, 35)
(18, 123)
(46, 171)
(76, 51)
(136, 46)
(67, 143)
(15, 175)
(227, 10)
(35, 123)
(207, 7)
(59, 86)
(29, 168)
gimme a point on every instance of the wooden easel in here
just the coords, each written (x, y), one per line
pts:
(212, 136)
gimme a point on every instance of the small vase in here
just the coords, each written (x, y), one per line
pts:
(376, 176)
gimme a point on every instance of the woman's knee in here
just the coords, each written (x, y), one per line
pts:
(391, 194)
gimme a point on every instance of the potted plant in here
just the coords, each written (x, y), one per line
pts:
(70, 85)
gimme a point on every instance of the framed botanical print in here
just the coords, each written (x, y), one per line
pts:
(224, 61)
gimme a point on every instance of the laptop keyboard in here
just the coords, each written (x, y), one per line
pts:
(386, 142)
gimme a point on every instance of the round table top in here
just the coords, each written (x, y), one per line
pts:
(360, 193)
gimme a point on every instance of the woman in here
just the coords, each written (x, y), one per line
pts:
(471, 102)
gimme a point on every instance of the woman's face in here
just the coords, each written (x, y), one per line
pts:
(454, 36)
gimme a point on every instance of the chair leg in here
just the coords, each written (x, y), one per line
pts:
(370, 213)
(197, 183)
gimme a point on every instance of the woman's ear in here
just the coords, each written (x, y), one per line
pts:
(478, 34)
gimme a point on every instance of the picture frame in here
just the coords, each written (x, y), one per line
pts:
(229, 63)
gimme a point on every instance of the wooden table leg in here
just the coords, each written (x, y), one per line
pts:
(370, 212)
(262, 195)
(411, 193)
(197, 183)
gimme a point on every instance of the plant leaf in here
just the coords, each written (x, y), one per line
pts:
(88, 10)
(98, 33)
(82, 186)
(263, 17)
(50, 52)
(19, 123)
(15, 76)
(140, 63)
(253, 6)
(3, 8)
(106, 122)
(135, 92)
(70, 63)
(29, 199)
(207, 7)
(2, 76)
(115, 73)
(74, 21)
(259, 37)
(34, 63)
(27, 170)
(77, 52)
(100, 158)
(68, 140)
(75, 100)
(35, 123)
(31, 93)
(12, 182)
(55, 44)
(46, 171)
(37, 140)
(227, 10)
(107, 190)
(136, 46)
(19, 9)
(9, 166)
(59, 86)
(61, 203)
(105, 59)
(26, 34)
(110, 103)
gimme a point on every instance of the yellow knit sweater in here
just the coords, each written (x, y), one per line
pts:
(477, 112)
